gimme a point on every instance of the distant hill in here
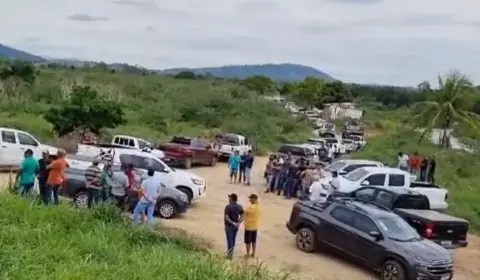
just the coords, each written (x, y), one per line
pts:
(278, 72)
(8, 52)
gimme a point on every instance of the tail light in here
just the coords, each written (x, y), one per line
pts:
(429, 227)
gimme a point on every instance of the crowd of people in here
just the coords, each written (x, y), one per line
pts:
(422, 166)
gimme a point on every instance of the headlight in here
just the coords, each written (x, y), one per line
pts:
(197, 182)
(184, 198)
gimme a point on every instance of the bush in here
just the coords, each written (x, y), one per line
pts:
(456, 171)
(62, 243)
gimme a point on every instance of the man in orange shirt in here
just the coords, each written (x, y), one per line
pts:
(56, 176)
(415, 162)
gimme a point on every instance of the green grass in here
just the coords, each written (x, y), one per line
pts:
(459, 172)
(45, 243)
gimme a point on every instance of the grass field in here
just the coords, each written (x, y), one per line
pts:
(43, 243)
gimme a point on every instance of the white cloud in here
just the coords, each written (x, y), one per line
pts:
(396, 42)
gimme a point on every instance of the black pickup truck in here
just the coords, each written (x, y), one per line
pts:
(370, 235)
(413, 207)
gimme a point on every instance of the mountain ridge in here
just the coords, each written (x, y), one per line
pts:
(8, 52)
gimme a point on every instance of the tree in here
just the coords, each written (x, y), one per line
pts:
(258, 83)
(447, 106)
(308, 92)
(18, 70)
(185, 75)
(85, 111)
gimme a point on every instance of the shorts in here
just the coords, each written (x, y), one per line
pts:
(250, 237)
(233, 172)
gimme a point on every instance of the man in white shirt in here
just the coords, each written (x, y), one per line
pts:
(319, 190)
(117, 183)
(403, 161)
(149, 193)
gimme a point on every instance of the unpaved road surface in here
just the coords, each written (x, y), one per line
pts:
(276, 245)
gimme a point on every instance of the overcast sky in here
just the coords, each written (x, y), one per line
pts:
(399, 42)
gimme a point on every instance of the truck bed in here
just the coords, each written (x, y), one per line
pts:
(431, 216)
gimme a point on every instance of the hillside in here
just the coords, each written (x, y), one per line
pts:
(277, 72)
(9, 52)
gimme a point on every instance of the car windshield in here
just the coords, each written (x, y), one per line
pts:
(181, 141)
(143, 144)
(419, 202)
(397, 229)
(332, 141)
(227, 139)
(314, 142)
(356, 174)
(329, 126)
(334, 167)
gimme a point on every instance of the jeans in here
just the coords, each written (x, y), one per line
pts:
(42, 187)
(280, 183)
(248, 175)
(271, 182)
(51, 191)
(289, 187)
(94, 196)
(26, 189)
(241, 174)
(140, 208)
(231, 234)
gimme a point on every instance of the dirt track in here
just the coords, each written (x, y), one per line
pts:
(276, 244)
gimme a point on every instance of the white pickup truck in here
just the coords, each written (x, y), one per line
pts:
(390, 178)
(228, 143)
(119, 141)
(14, 143)
(191, 184)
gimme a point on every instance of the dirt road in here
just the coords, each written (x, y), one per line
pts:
(276, 244)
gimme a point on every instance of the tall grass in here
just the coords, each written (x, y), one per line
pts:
(45, 243)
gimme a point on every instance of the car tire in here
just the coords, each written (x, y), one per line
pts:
(186, 191)
(80, 200)
(392, 270)
(213, 162)
(188, 163)
(167, 209)
(306, 240)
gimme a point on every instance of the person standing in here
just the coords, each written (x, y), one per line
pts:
(43, 175)
(252, 218)
(149, 193)
(93, 177)
(249, 158)
(291, 180)
(432, 163)
(117, 184)
(402, 161)
(234, 165)
(415, 162)
(27, 172)
(56, 176)
(424, 169)
(241, 170)
(233, 217)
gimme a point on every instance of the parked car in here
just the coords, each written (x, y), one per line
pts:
(119, 141)
(170, 203)
(186, 151)
(297, 152)
(327, 127)
(369, 235)
(191, 184)
(344, 166)
(358, 140)
(350, 146)
(414, 207)
(227, 143)
(14, 143)
(388, 177)
(334, 141)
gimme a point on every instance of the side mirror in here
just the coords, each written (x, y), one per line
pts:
(376, 235)
(365, 183)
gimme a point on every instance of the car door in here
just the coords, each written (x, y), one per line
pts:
(365, 194)
(26, 141)
(143, 164)
(338, 232)
(377, 180)
(199, 153)
(365, 247)
(11, 152)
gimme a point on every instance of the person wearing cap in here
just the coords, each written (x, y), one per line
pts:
(56, 176)
(43, 175)
(248, 161)
(93, 177)
(234, 165)
(27, 172)
(252, 217)
(149, 193)
(233, 217)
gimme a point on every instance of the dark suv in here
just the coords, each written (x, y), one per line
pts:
(370, 235)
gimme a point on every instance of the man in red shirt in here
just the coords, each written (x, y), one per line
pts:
(414, 163)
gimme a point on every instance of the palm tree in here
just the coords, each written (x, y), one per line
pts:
(447, 106)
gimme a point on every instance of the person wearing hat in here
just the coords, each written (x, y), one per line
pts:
(252, 217)
(56, 176)
(233, 217)
(93, 177)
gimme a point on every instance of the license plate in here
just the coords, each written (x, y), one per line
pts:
(445, 277)
(446, 243)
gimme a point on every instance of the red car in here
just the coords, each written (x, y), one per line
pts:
(186, 151)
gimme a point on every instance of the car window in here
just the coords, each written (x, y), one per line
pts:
(9, 137)
(363, 223)
(140, 162)
(376, 179)
(181, 140)
(123, 141)
(366, 194)
(143, 144)
(396, 180)
(356, 174)
(335, 166)
(352, 167)
(385, 198)
(131, 143)
(25, 139)
(397, 229)
(419, 202)
(116, 140)
(296, 151)
(343, 215)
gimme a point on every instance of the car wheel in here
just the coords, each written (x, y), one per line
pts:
(392, 270)
(167, 209)
(188, 163)
(188, 192)
(306, 240)
(80, 199)
(214, 161)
